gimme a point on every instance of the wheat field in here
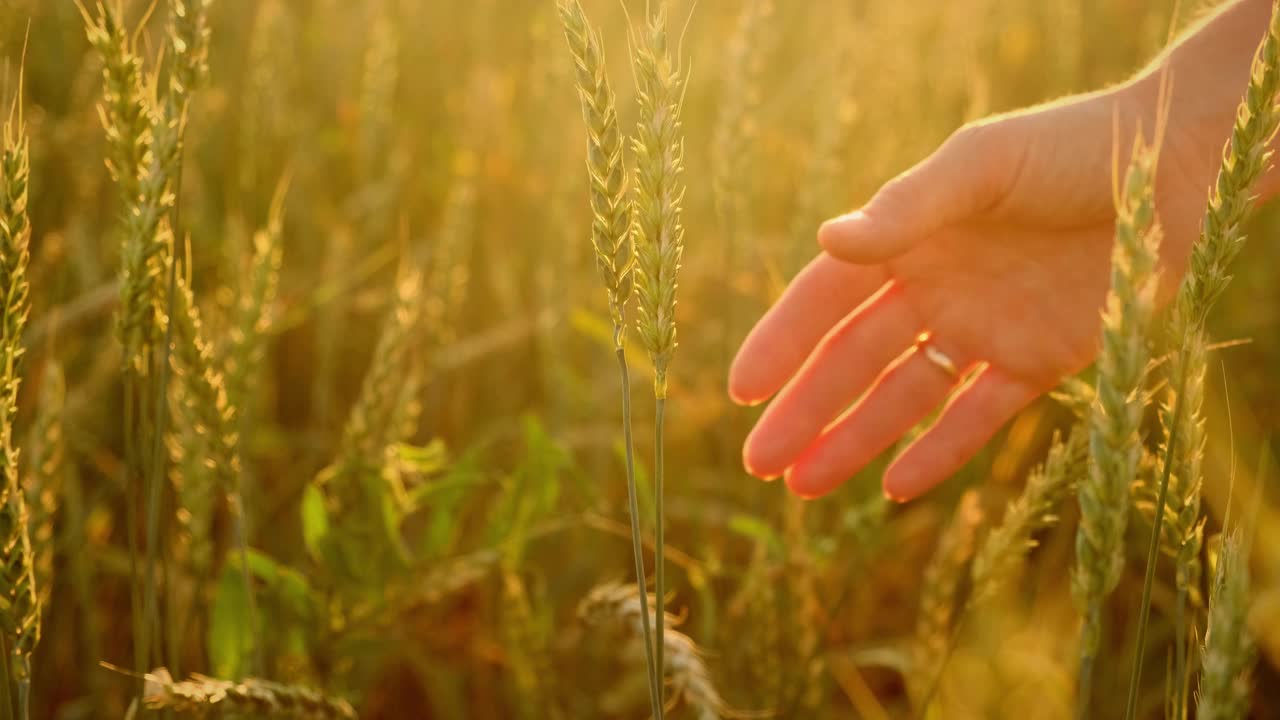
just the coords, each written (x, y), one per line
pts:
(360, 354)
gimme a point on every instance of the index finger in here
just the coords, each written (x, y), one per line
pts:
(816, 300)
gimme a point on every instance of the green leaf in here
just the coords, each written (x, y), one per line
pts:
(315, 521)
(760, 531)
(231, 631)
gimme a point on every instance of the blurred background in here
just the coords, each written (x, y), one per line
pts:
(399, 127)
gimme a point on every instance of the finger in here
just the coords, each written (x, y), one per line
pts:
(819, 296)
(959, 179)
(904, 394)
(845, 362)
(969, 420)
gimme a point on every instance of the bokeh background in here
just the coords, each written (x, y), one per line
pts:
(402, 125)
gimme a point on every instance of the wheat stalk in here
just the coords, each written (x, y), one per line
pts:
(20, 616)
(1115, 442)
(207, 697)
(1229, 652)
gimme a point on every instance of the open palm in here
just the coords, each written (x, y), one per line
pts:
(998, 247)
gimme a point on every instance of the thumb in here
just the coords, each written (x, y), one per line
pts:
(953, 183)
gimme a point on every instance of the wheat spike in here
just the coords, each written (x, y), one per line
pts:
(617, 606)
(206, 697)
(1007, 545)
(1115, 442)
(610, 213)
(1229, 652)
(124, 109)
(735, 131)
(46, 468)
(659, 235)
(1246, 156)
(20, 618)
(371, 426)
(243, 356)
(942, 577)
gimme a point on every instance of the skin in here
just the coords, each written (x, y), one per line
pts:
(997, 245)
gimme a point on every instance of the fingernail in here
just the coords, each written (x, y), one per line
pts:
(846, 222)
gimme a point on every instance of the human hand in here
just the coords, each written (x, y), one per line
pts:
(998, 245)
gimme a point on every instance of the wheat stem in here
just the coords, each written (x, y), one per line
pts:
(637, 546)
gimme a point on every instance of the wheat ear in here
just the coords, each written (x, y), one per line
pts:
(207, 697)
(617, 605)
(1007, 545)
(46, 468)
(938, 595)
(1229, 652)
(1246, 156)
(610, 213)
(1115, 441)
(20, 617)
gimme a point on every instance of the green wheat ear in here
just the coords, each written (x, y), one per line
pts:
(1246, 156)
(1229, 651)
(610, 213)
(1115, 440)
(659, 236)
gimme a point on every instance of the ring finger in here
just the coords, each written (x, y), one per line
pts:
(910, 388)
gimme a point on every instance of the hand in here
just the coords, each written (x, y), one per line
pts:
(998, 245)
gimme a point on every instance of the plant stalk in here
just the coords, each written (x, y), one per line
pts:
(1131, 707)
(1092, 618)
(660, 584)
(637, 545)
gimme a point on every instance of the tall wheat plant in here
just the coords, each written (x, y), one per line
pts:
(612, 240)
(659, 149)
(1245, 158)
